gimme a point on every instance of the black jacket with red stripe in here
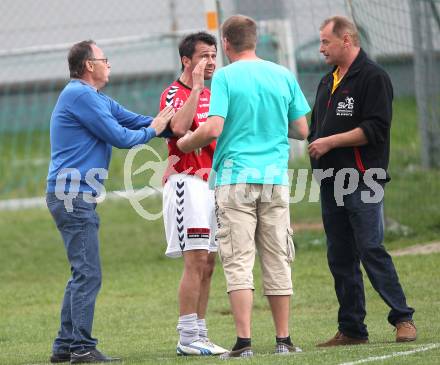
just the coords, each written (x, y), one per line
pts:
(363, 99)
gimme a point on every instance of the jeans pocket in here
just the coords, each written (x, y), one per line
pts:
(224, 240)
(290, 246)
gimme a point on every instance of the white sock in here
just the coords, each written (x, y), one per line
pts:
(188, 328)
(203, 330)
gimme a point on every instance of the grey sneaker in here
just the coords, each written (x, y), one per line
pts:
(284, 349)
(244, 352)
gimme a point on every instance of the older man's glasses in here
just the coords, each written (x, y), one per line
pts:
(105, 60)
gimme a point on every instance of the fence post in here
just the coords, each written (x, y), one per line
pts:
(212, 24)
(425, 73)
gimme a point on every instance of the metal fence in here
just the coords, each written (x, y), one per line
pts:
(140, 37)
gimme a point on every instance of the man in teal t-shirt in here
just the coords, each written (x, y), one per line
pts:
(255, 106)
(257, 99)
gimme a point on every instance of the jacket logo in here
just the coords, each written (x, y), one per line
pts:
(345, 108)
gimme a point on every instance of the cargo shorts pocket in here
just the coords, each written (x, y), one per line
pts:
(224, 243)
(290, 246)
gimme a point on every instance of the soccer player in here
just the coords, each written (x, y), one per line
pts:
(255, 106)
(188, 204)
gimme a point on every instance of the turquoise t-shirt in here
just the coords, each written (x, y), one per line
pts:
(257, 100)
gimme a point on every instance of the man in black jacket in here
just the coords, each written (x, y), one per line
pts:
(349, 150)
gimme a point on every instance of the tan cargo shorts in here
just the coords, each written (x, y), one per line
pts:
(251, 218)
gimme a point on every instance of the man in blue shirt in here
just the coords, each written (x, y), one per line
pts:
(84, 126)
(255, 106)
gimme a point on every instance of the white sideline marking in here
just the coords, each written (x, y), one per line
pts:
(394, 354)
(18, 204)
(40, 202)
(30, 161)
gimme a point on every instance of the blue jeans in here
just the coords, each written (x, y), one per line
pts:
(355, 234)
(79, 230)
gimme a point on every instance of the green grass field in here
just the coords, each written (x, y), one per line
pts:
(137, 308)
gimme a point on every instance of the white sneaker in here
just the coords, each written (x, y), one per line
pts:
(199, 348)
(216, 349)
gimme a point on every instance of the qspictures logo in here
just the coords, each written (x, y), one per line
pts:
(345, 108)
(301, 185)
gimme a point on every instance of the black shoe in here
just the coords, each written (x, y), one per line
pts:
(91, 356)
(58, 357)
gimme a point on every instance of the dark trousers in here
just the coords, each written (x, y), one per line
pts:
(79, 229)
(355, 234)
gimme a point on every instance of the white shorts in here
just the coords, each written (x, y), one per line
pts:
(189, 215)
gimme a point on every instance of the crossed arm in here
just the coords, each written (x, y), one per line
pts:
(202, 136)
(213, 127)
(298, 129)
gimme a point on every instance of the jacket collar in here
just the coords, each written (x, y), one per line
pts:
(354, 68)
(357, 64)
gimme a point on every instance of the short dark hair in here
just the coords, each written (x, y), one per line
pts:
(78, 55)
(241, 32)
(187, 45)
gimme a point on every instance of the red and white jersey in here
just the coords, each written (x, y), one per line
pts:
(189, 163)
